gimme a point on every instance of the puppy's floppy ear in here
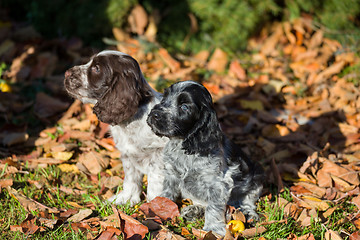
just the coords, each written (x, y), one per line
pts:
(127, 92)
(205, 136)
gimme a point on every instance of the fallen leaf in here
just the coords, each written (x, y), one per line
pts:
(251, 104)
(171, 62)
(332, 235)
(316, 203)
(161, 207)
(5, 183)
(132, 228)
(218, 61)
(92, 162)
(251, 232)
(81, 215)
(64, 156)
(355, 236)
(83, 125)
(138, 19)
(68, 168)
(236, 69)
(29, 204)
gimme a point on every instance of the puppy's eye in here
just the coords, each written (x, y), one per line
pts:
(95, 69)
(184, 107)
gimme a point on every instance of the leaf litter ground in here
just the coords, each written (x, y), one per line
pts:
(292, 103)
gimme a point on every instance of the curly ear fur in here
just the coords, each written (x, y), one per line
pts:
(205, 136)
(127, 92)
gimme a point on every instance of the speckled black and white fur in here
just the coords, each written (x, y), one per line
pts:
(200, 162)
(114, 83)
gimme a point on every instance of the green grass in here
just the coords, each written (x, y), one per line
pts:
(13, 213)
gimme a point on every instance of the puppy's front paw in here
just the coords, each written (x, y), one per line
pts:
(251, 216)
(123, 198)
(192, 212)
(219, 229)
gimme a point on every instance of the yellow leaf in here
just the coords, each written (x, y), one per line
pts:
(236, 226)
(62, 155)
(251, 104)
(4, 87)
(68, 168)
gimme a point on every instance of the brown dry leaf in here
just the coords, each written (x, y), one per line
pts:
(105, 144)
(316, 203)
(328, 212)
(64, 156)
(92, 162)
(355, 236)
(218, 61)
(106, 235)
(238, 71)
(83, 125)
(202, 56)
(165, 234)
(28, 226)
(341, 184)
(7, 169)
(316, 40)
(5, 183)
(238, 215)
(251, 232)
(111, 182)
(46, 106)
(81, 215)
(169, 61)
(288, 34)
(327, 73)
(308, 236)
(72, 191)
(332, 235)
(161, 207)
(138, 19)
(212, 88)
(315, 190)
(29, 204)
(251, 104)
(269, 45)
(323, 178)
(132, 228)
(338, 171)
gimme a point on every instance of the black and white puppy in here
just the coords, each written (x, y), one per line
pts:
(114, 83)
(200, 162)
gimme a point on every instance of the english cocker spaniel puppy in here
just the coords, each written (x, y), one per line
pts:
(114, 83)
(200, 162)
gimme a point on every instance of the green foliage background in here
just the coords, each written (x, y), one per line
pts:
(221, 23)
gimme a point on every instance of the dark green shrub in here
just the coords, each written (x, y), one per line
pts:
(221, 23)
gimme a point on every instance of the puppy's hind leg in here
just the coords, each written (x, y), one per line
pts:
(248, 205)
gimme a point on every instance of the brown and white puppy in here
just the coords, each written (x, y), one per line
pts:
(114, 83)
